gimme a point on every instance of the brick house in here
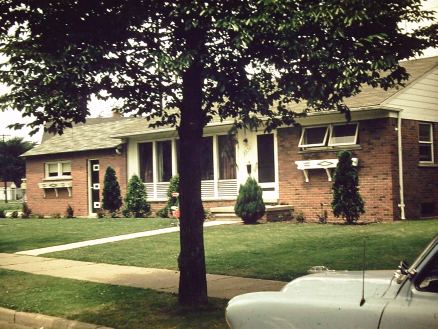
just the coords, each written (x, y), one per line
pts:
(392, 135)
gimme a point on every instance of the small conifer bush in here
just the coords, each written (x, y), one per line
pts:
(347, 201)
(111, 196)
(249, 205)
(136, 198)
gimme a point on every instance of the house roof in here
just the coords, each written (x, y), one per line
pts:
(104, 133)
(83, 137)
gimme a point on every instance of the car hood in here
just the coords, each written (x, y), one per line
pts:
(323, 300)
(342, 283)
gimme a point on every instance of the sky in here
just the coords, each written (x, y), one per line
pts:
(101, 108)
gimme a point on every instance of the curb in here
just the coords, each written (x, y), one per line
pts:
(10, 319)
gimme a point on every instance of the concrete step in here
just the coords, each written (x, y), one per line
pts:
(226, 217)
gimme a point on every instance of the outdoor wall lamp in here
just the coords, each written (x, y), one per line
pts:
(248, 168)
(119, 149)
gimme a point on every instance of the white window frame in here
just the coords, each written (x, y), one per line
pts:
(330, 143)
(59, 165)
(328, 138)
(430, 142)
(303, 135)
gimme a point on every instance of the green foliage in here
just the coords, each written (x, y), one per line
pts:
(2, 213)
(111, 195)
(14, 214)
(12, 166)
(166, 212)
(249, 204)
(69, 212)
(56, 215)
(173, 188)
(300, 217)
(136, 198)
(26, 212)
(163, 213)
(347, 201)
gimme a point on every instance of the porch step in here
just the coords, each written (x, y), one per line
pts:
(224, 213)
(227, 216)
(273, 213)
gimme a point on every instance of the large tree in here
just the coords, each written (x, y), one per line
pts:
(12, 166)
(186, 61)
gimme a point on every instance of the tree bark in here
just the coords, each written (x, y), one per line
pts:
(191, 261)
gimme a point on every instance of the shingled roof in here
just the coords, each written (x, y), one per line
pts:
(104, 133)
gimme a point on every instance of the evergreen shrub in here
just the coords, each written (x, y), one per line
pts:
(347, 201)
(136, 199)
(111, 196)
(249, 205)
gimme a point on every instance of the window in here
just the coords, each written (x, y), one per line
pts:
(58, 169)
(158, 162)
(426, 143)
(227, 157)
(329, 135)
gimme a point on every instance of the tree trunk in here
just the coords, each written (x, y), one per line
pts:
(191, 261)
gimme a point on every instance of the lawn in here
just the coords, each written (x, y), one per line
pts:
(276, 251)
(25, 234)
(280, 251)
(108, 305)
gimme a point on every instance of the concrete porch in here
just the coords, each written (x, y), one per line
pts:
(275, 213)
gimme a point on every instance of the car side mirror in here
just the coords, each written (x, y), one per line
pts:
(403, 267)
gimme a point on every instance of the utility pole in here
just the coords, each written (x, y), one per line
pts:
(6, 185)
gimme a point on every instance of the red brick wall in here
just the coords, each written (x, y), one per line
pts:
(420, 182)
(80, 191)
(377, 169)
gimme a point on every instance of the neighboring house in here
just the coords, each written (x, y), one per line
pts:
(393, 137)
(12, 191)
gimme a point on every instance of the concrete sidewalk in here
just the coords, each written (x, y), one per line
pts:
(220, 286)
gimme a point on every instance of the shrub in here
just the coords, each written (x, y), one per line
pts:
(69, 212)
(136, 198)
(347, 202)
(38, 215)
(100, 213)
(163, 213)
(2, 213)
(26, 212)
(111, 196)
(56, 215)
(300, 217)
(249, 205)
(14, 214)
(166, 212)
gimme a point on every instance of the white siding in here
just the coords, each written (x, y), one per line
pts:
(419, 101)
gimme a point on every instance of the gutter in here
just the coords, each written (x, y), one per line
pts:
(400, 166)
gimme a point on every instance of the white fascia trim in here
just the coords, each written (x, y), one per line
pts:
(164, 130)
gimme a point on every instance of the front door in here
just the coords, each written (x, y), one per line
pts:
(94, 186)
(266, 165)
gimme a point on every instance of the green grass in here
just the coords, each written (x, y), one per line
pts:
(25, 234)
(11, 205)
(275, 251)
(102, 304)
(280, 251)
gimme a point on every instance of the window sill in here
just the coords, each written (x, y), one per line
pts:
(330, 149)
(428, 165)
(57, 178)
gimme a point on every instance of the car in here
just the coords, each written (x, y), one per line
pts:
(406, 299)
